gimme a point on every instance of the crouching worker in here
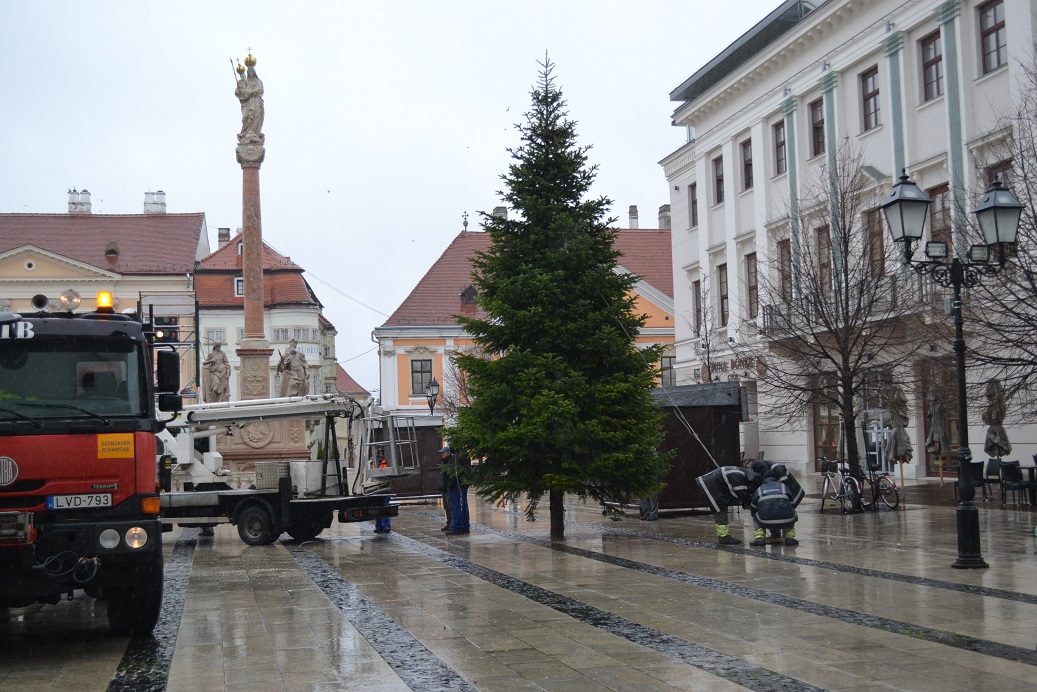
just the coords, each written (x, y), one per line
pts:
(725, 486)
(774, 507)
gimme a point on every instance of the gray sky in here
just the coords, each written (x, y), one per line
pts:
(385, 121)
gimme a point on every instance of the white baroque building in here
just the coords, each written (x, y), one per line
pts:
(915, 85)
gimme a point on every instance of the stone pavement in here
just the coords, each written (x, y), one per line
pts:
(865, 601)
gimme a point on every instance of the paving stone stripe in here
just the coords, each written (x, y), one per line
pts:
(853, 617)
(418, 667)
(722, 665)
(985, 591)
(145, 665)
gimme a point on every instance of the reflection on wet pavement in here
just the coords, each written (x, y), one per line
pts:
(864, 601)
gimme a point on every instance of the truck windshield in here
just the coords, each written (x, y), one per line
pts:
(63, 378)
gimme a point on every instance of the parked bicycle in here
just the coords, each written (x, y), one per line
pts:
(879, 486)
(839, 486)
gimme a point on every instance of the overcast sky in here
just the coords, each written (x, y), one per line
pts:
(385, 121)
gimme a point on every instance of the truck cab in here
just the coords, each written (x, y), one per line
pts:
(79, 507)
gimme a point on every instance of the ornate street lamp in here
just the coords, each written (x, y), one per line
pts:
(998, 215)
(431, 394)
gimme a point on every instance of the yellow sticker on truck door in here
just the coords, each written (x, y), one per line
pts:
(115, 446)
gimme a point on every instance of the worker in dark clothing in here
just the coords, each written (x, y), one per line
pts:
(725, 486)
(382, 524)
(457, 468)
(774, 505)
(445, 455)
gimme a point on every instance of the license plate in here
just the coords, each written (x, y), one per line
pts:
(79, 501)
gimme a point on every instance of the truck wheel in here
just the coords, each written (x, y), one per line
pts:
(256, 526)
(135, 609)
(308, 526)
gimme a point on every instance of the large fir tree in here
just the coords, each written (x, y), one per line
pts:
(561, 398)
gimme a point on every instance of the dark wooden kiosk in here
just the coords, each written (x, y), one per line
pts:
(713, 411)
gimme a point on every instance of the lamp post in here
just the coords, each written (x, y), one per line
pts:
(431, 394)
(998, 215)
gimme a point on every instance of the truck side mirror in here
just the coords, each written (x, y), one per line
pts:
(168, 377)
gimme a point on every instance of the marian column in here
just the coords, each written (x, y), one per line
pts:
(261, 440)
(255, 350)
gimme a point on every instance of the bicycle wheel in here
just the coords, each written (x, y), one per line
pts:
(826, 488)
(850, 497)
(888, 492)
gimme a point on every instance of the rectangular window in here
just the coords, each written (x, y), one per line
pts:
(785, 269)
(824, 258)
(281, 334)
(693, 204)
(722, 303)
(669, 375)
(1002, 170)
(817, 127)
(215, 336)
(992, 40)
(752, 288)
(718, 180)
(874, 248)
(420, 375)
(747, 164)
(932, 66)
(696, 307)
(940, 214)
(780, 160)
(239, 286)
(870, 98)
(241, 335)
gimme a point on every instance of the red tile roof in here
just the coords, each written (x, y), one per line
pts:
(283, 282)
(147, 243)
(227, 257)
(436, 297)
(348, 385)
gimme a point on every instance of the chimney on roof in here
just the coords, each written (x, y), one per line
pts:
(222, 238)
(633, 216)
(664, 216)
(155, 202)
(500, 212)
(78, 202)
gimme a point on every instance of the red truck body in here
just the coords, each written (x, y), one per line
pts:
(79, 507)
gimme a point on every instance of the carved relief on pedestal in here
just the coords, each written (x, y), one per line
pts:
(258, 434)
(254, 380)
(296, 432)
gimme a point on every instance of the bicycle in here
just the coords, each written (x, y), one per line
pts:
(844, 490)
(879, 486)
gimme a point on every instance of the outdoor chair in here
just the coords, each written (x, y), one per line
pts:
(1012, 479)
(991, 476)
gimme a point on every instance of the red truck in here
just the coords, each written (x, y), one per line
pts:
(79, 507)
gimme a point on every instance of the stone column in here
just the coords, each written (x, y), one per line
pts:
(262, 440)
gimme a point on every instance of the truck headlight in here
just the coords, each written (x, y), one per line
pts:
(109, 539)
(136, 537)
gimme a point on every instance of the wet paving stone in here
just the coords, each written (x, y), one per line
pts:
(145, 665)
(418, 667)
(709, 660)
(852, 617)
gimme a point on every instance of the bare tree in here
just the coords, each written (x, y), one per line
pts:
(837, 305)
(1002, 310)
(710, 335)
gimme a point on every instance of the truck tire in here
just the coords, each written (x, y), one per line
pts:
(308, 526)
(256, 526)
(135, 609)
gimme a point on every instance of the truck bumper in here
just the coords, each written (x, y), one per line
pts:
(78, 555)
